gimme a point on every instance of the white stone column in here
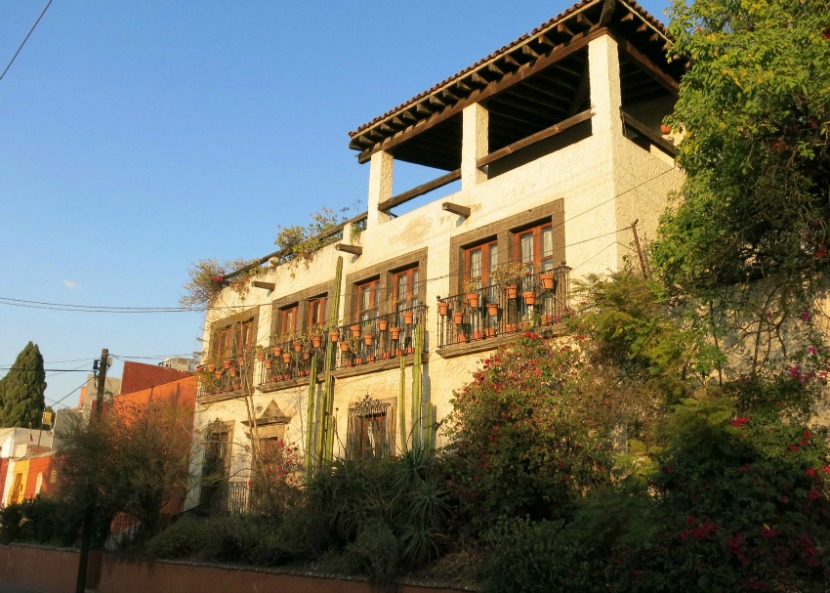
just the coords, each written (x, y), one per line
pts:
(606, 92)
(474, 144)
(381, 168)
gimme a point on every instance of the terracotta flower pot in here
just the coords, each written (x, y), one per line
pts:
(472, 299)
(227, 363)
(529, 297)
(476, 334)
(316, 340)
(344, 347)
(443, 308)
(286, 357)
(458, 318)
(665, 129)
(368, 339)
(407, 317)
(277, 351)
(298, 346)
(383, 324)
(493, 309)
(546, 280)
(355, 329)
(462, 338)
(491, 332)
(512, 291)
(334, 337)
(394, 332)
(268, 363)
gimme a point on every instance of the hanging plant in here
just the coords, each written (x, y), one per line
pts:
(208, 278)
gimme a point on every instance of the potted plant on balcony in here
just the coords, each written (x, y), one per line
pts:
(510, 276)
(260, 353)
(546, 279)
(334, 336)
(355, 329)
(471, 290)
(383, 324)
(317, 332)
(529, 297)
(394, 333)
(443, 308)
(408, 316)
(368, 338)
(493, 309)
(458, 317)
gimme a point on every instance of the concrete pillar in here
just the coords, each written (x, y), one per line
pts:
(380, 185)
(606, 92)
(474, 144)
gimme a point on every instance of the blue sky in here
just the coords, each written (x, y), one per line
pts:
(139, 137)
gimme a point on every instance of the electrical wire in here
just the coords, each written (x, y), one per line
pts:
(149, 310)
(29, 34)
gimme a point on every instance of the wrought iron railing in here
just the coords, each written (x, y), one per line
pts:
(227, 498)
(223, 377)
(291, 359)
(380, 338)
(540, 300)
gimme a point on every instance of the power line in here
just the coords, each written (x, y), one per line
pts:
(149, 310)
(29, 34)
(56, 402)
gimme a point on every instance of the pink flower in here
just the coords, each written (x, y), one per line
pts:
(806, 316)
(812, 350)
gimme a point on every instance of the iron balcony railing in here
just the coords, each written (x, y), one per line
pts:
(540, 300)
(380, 338)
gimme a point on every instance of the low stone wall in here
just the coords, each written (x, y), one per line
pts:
(52, 570)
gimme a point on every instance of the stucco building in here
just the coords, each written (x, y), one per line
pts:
(544, 154)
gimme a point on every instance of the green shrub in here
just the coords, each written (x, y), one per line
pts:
(185, 538)
(375, 553)
(41, 520)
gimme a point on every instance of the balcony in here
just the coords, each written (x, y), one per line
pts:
(382, 338)
(385, 337)
(540, 300)
(290, 359)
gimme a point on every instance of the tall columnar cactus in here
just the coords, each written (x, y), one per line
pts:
(417, 384)
(310, 415)
(325, 436)
(401, 402)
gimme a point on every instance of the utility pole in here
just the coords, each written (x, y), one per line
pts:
(99, 369)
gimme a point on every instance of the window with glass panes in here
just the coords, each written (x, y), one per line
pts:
(479, 263)
(534, 246)
(368, 299)
(405, 285)
(288, 319)
(317, 311)
(231, 340)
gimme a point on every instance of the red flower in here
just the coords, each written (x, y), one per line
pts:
(812, 473)
(814, 495)
(740, 421)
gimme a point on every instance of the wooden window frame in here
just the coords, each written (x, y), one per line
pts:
(503, 230)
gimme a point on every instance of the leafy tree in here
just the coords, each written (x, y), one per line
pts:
(136, 458)
(22, 389)
(755, 109)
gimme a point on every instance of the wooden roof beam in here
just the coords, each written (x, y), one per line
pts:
(494, 88)
(583, 20)
(528, 51)
(645, 63)
(491, 67)
(563, 28)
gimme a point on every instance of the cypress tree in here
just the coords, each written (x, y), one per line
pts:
(22, 389)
